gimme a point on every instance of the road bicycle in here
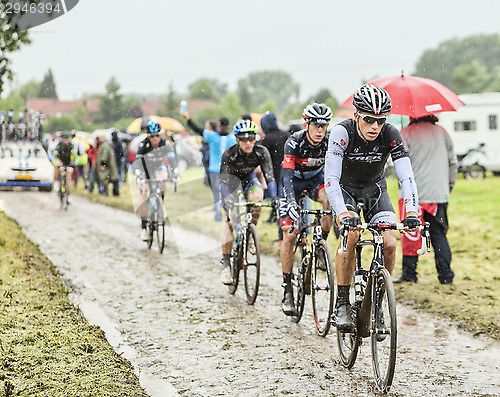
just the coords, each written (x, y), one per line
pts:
(315, 275)
(156, 213)
(63, 187)
(245, 254)
(373, 304)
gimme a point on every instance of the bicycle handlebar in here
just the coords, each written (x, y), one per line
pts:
(319, 212)
(379, 227)
(252, 204)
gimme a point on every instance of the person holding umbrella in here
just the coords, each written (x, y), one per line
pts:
(358, 150)
(432, 156)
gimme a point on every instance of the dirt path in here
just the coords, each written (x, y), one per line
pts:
(173, 319)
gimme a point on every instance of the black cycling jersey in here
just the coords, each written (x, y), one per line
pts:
(237, 163)
(164, 154)
(302, 160)
(364, 161)
(64, 152)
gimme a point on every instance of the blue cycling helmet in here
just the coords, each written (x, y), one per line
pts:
(245, 128)
(153, 128)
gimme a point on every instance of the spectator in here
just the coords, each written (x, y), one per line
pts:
(274, 141)
(218, 142)
(106, 169)
(119, 150)
(81, 160)
(435, 166)
(92, 155)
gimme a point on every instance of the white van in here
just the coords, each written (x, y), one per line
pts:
(477, 121)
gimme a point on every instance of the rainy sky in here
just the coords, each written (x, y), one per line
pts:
(330, 44)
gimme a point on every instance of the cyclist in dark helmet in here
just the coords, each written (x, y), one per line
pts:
(64, 154)
(238, 166)
(302, 170)
(357, 153)
(156, 159)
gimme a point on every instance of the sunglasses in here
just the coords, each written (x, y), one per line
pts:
(154, 135)
(371, 119)
(247, 139)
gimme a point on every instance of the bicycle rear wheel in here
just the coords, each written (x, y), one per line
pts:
(236, 257)
(349, 342)
(160, 227)
(298, 285)
(251, 264)
(322, 287)
(384, 336)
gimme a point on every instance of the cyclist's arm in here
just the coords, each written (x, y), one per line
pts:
(404, 172)
(337, 143)
(407, 184)
(288, 168)
(267, 170)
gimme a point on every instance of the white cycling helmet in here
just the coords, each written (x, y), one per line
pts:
(372, 99)
(317, 113)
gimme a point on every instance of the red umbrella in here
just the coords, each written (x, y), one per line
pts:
(415, 96)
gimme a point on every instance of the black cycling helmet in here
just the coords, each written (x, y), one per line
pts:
(317, 113)
(372, 99)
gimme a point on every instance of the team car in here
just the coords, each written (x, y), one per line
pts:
(25, 165)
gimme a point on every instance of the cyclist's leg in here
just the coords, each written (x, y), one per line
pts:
(344, 269)
(327, 220)
(226, 246)
(161, 173)
(286, 255)
(378, 208)
(141, 207)
(253, 192)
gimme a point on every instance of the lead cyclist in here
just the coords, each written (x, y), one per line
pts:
(358, 150)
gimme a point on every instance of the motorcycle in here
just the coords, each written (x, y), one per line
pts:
(470, 164)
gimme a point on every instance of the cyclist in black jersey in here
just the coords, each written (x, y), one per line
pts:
(156, 159)
(354, 173)
(302, 170)
(238, 171)
(64, 154)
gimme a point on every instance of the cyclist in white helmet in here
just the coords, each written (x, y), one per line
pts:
(354, 172)
(302, 170)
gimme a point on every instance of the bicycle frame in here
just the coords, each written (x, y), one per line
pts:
(377, 263)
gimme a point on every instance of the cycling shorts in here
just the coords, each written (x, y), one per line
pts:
(310, 186)
(376, 205)
(247, 185)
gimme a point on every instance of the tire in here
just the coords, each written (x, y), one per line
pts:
(151, 229)
(299, 287)
(475, 172)
(236, 258)
(349, 342)
(322, 287)
(384, 341)
(160, 227)
(251, 264)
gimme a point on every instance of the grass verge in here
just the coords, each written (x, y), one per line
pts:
(47, 348)
(472, 301)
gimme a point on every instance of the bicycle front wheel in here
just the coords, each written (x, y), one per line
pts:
(160, 227)
(299, 287)
(384, 336)
(322, 287)
(251, 264)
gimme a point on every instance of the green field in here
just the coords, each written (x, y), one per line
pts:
(472, 302)
(47, 348)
